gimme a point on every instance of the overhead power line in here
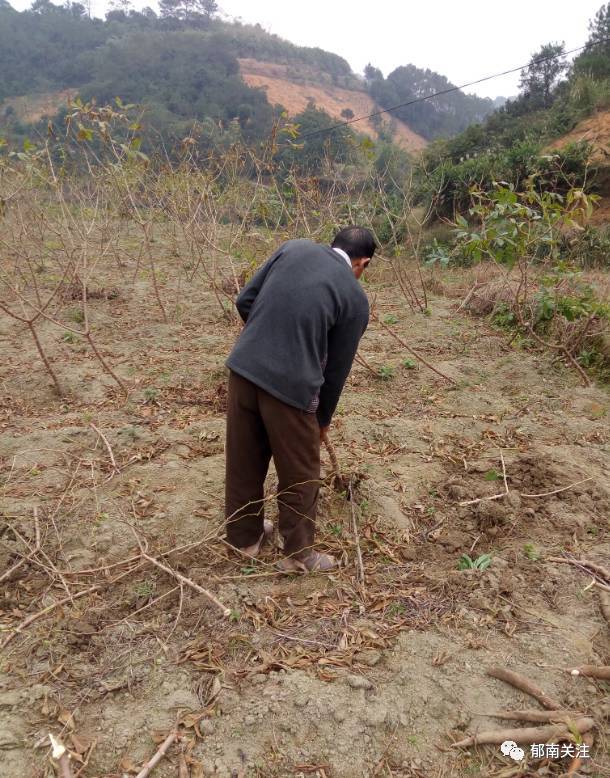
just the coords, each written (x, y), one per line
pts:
(334, 127)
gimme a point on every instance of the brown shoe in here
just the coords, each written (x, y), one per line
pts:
(255, 548)
(314, 561)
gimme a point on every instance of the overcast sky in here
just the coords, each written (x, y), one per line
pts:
(461, 40)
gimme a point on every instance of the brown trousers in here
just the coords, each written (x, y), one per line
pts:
(260, 426)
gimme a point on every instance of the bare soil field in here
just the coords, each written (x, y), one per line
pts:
(33, 108)
(372, 671)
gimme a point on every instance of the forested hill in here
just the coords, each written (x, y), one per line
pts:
(184, 65)
(436, 117)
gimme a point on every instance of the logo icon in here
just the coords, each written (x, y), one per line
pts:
(510, 748)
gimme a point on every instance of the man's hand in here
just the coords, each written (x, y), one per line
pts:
(323, 432)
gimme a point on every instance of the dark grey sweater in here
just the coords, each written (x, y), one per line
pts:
(305, 313)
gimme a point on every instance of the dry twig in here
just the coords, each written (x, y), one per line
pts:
(115, 468)
(361, 360)
(466, 300)
(339, 480)
(604, 601)
(359, 563)
(35, 616)
(591, 568)
(32, 553)
(179, 577)
(412, 351)
(494, 496)
(162, 750)
(557, 491)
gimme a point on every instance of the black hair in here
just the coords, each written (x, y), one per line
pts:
(357, 242)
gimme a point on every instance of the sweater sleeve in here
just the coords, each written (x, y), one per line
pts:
(343, 340)
(245, 299)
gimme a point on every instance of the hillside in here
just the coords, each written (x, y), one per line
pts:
(594, 130)
(33, 108)
(199, 68)
(281, 87)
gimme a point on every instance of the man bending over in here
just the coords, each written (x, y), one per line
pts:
(304, 314)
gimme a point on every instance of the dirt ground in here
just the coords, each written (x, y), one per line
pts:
(33, 108)
(323, 675)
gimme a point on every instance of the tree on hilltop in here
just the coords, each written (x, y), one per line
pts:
(595, 59)
(187, 9)
(44, 6)
(541, 75)
(123, 6)
(372, 73)
(599, 26)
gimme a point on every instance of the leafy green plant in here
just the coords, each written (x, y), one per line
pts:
(151, 394)
(390, 319)
(480, 563)
(515, 226)
(386, 372)
(410, 364)
(437, 253)
(144, 589)
(504, 316)
(396, 609)
(531, 552)
(525, 231)
(69, 337)
(492, 475)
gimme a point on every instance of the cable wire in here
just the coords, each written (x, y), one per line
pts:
(334, 127)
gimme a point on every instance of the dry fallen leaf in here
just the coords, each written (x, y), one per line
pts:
(214, 690)
(127, 765)
(66, 718)
(191, 720)
(80, 743)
